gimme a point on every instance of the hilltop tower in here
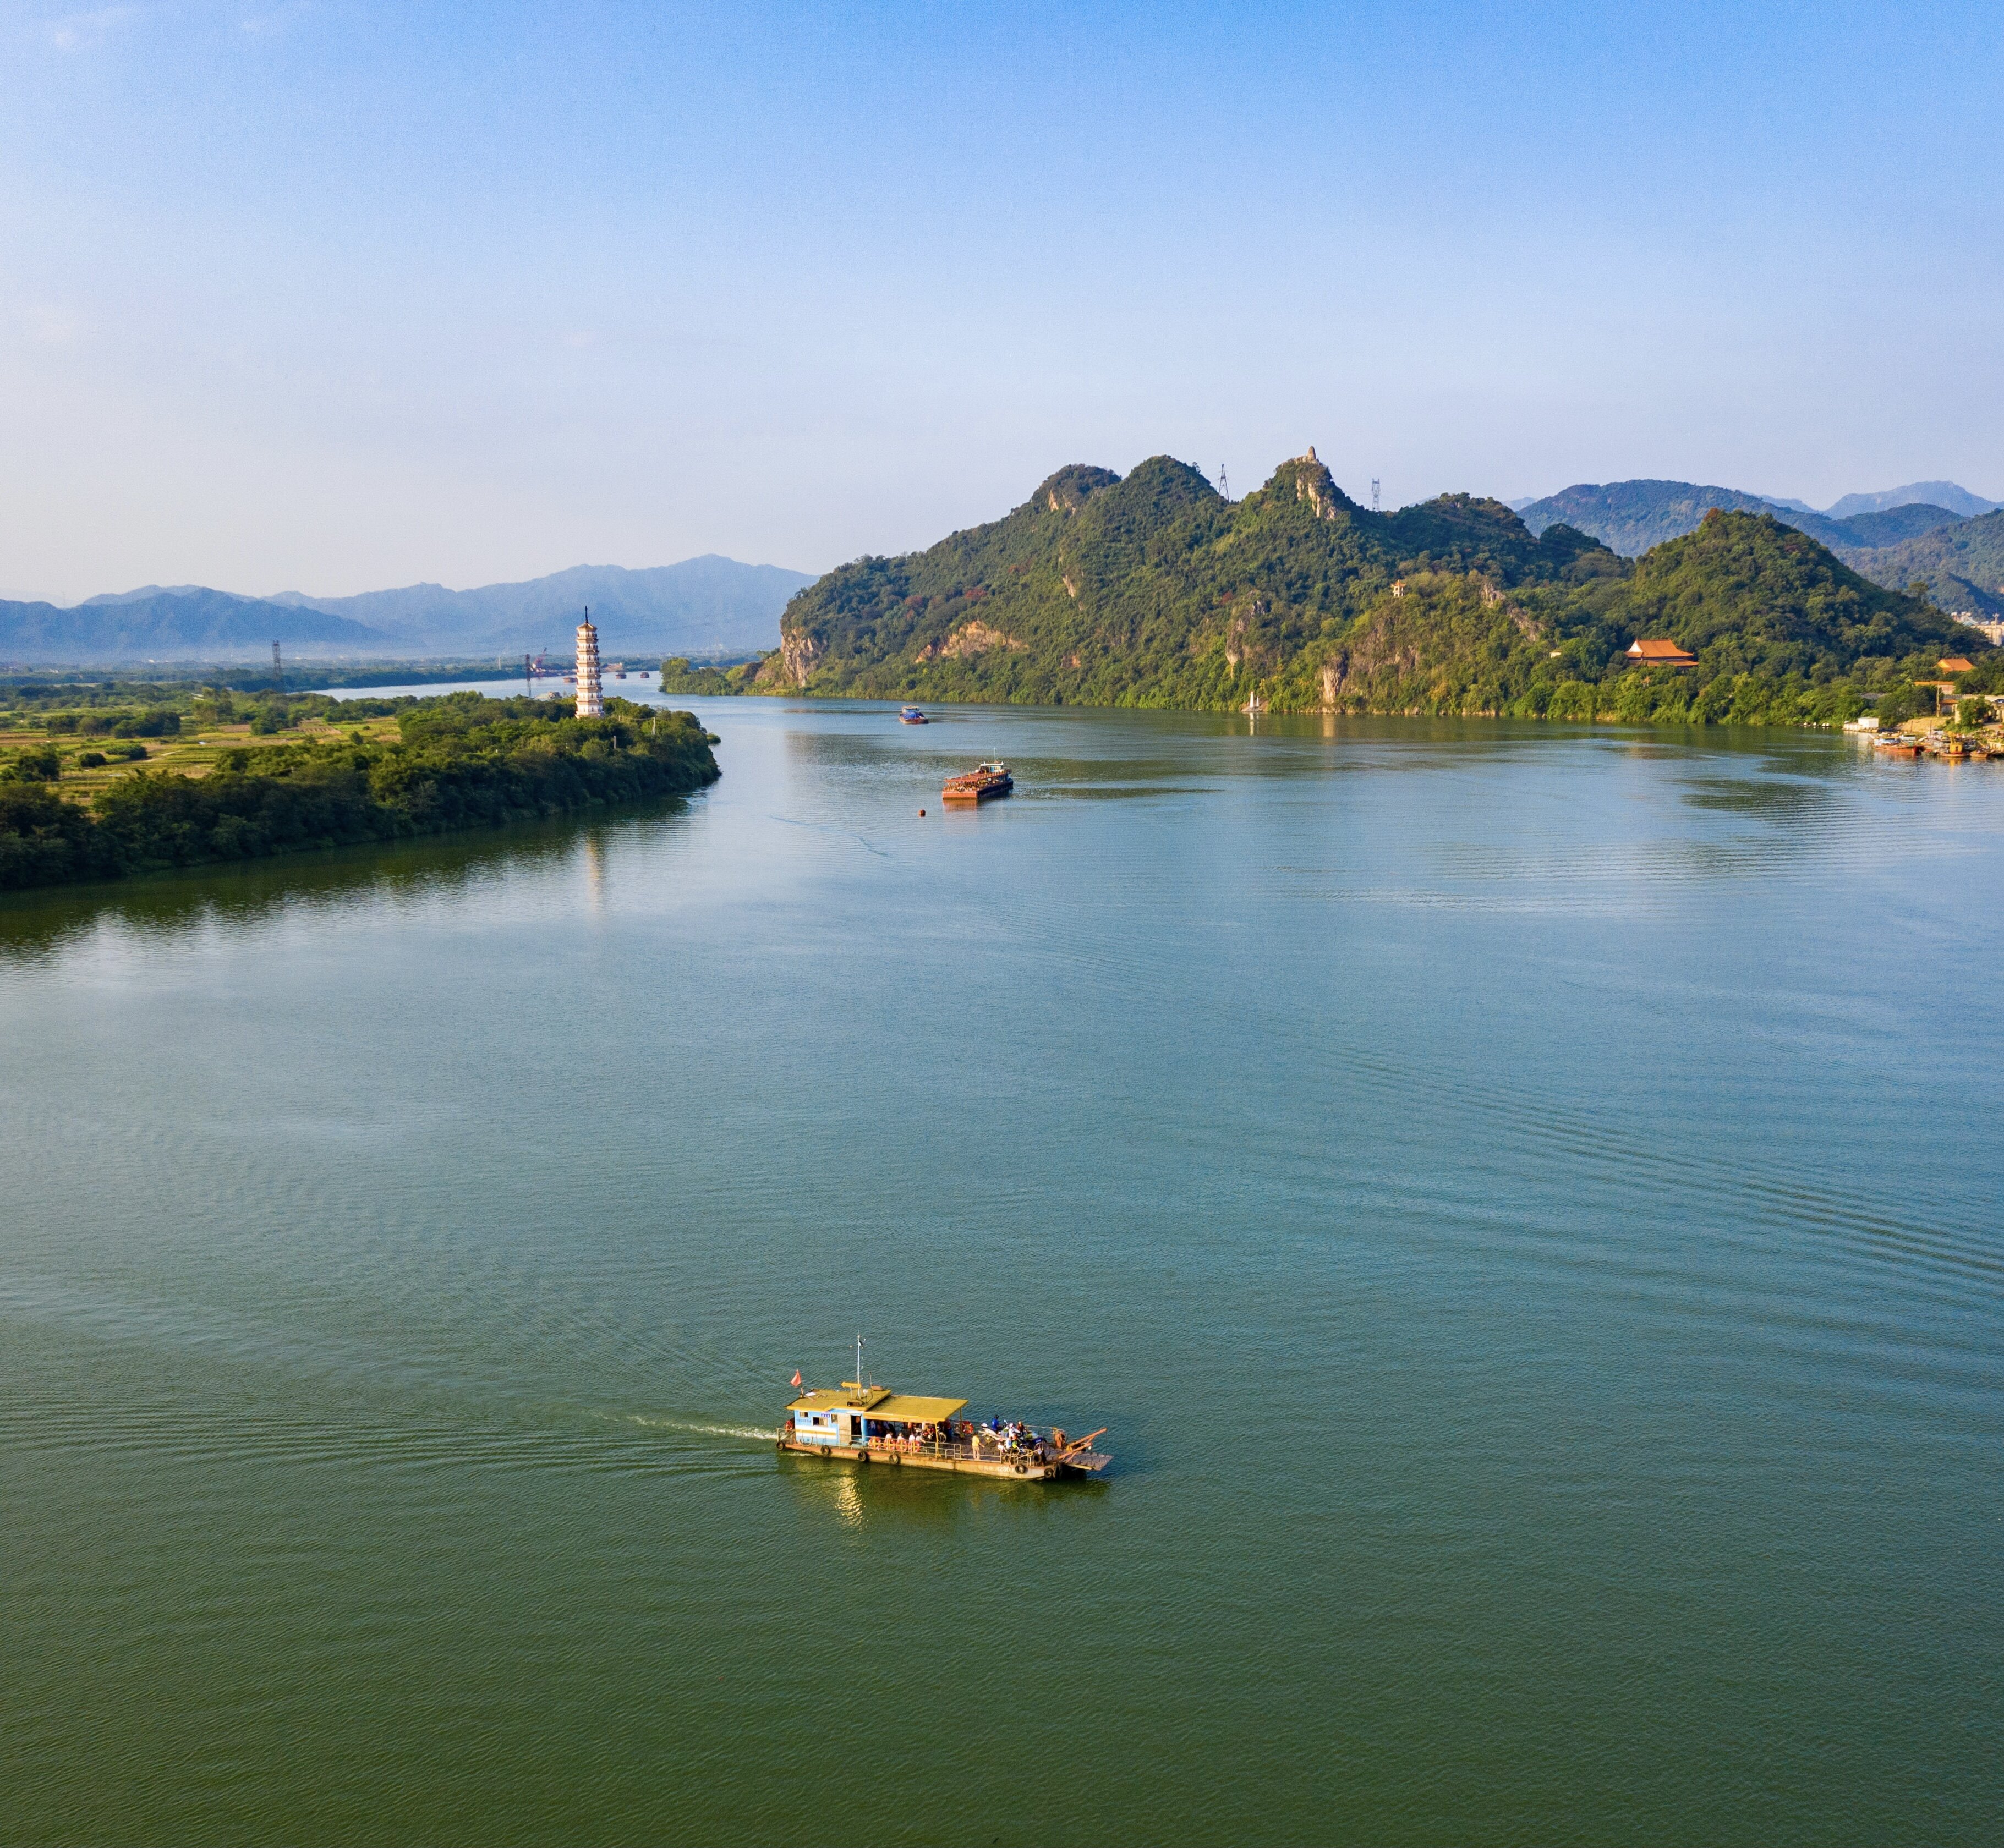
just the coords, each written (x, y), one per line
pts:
(591, 693)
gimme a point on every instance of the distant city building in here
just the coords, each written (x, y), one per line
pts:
(590, 691)
(1657, 652)
(1992, 632)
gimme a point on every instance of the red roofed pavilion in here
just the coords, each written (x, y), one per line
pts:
(1659, 653)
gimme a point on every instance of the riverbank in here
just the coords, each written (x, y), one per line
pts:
(80, 807)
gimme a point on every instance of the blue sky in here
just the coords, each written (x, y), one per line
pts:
(329, 297)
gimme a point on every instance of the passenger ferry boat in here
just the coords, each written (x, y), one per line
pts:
(990, 778)
(872, 1424)
(911, 715)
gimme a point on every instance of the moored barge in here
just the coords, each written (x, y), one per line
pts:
(854, 1423)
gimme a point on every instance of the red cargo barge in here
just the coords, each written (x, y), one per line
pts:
(990, 778)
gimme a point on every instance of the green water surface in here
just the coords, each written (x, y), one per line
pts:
(1525, 1203)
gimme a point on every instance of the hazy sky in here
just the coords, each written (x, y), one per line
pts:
(329, 297)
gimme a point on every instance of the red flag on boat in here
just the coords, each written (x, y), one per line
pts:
(796, 1376)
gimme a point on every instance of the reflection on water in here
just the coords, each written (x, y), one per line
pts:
(241, 894)
(875, 1497)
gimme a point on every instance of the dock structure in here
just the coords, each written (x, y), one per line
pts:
(590, 687)
(856, 1423)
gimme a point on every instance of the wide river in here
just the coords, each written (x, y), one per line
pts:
(1524, 1202)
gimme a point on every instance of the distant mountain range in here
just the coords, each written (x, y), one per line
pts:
(1939, 494)
(701, 606)
(178, 624)
(1631, 516)
(1952, 541)
(1915, 494)
(1962, 564)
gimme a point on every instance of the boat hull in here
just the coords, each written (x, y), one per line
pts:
(980, 792)
(1006, 1466)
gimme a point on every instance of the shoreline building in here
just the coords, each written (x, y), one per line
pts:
(590, 689)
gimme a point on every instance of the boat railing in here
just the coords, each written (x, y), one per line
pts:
(959, 1449)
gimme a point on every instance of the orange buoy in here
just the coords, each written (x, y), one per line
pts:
(922, 814)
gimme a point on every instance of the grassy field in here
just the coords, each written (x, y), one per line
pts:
(193, 754)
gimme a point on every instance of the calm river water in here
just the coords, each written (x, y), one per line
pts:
(1525, 1203)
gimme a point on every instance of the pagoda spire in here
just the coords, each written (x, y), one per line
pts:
(590, 689)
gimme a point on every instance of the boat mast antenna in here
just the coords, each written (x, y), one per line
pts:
(859, 1363)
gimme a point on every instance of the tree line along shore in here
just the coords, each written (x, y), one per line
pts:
(121, 779)
(1153, 590)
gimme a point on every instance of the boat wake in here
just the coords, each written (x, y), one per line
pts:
(749, 1432)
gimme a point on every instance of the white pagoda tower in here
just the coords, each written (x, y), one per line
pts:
(590, 692)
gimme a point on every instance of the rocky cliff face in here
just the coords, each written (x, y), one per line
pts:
(1069, 490)
(797, 655)
(1314, 483)
(969, 638)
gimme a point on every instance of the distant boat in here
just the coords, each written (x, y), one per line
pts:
(911, 715)
(990, 778)
(1254, 706)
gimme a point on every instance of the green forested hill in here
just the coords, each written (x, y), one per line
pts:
(1152, 590)
(1962, 565)
(1149, 590)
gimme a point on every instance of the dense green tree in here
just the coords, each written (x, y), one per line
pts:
(34, 763)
